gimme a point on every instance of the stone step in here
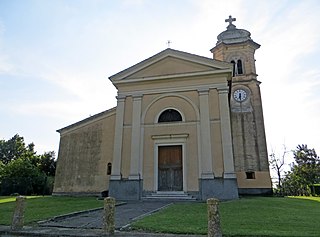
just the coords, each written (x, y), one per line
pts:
(169, 195)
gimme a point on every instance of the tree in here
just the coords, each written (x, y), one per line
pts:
(21, 176)
(15, 148)
(277, 164)
(47, 163)
(22, 170)
(1, 169)
(305, 172)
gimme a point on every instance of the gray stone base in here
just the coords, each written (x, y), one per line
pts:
(125, 189)
(222, 189)
(255, 191)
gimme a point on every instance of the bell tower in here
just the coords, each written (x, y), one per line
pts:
(248, 133)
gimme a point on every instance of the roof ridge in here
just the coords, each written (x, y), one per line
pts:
(87, 119)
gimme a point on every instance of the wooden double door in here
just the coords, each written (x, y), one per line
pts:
(170, 175)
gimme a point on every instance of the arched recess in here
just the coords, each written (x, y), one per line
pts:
(182, 104)
(170, 134)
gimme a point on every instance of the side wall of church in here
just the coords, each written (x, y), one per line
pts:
(84, 153)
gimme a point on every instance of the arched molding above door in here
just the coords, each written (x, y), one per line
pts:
(185, 106)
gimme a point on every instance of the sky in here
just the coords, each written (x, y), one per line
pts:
(56, 57)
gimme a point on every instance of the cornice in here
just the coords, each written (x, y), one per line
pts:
(172, 76)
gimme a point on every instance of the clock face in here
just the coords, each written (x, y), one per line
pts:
(239, 95)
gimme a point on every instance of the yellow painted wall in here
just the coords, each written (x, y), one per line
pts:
(84, 152)
(262, 180)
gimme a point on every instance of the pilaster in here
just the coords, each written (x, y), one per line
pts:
(225, 126)
(117, 151)
(135, 138)
(205, 137)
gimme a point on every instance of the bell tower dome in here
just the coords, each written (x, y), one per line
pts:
(248, 133)
(236, 46)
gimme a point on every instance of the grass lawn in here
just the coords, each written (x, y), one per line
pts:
(44, 207)
(256, 216)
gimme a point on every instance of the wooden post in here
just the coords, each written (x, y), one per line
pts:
(108, 215)
(214, 228)
(18, 215)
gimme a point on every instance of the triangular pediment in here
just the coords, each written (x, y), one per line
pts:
(170, 62)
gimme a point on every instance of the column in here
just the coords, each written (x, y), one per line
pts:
(205, 137)
(226, 133)
(117, 150)
(135, 138)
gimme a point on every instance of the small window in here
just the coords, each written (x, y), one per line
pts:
(170, 115)
(109, 167)
(239, 67)
(250, 175)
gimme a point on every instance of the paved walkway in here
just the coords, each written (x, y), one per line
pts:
(124, 215)
(89, 224)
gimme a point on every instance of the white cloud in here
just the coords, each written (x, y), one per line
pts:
(81, 95)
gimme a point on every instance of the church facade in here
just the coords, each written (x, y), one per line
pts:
(183, 125)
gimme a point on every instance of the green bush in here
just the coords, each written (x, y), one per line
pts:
(21, 176)
(23, 171)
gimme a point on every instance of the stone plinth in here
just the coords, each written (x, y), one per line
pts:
(18, 215)
(214, 227)
(108, 215)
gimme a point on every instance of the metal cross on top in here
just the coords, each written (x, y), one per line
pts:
(230, 20)
(168, 43)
